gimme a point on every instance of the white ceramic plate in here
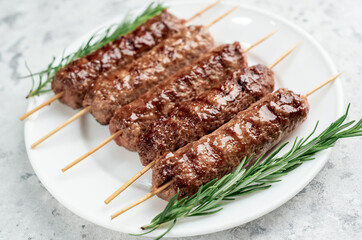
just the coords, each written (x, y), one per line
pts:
(84, 188)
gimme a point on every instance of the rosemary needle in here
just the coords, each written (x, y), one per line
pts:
(260, 176)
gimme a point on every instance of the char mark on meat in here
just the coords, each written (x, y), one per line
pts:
(76, 78)
(199, 117)
(255, 130)
(123, 86)
(185, 85)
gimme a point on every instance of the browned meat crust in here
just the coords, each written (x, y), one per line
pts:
(76, 77)
(124, 86)
(211, 69)
(255, 130)
(206, 113)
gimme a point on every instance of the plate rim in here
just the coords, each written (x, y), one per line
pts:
(320, 162)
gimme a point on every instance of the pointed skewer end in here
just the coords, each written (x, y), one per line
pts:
(260, 41)
(323, 84)
(203, 10)
(144, 198)
(271, 66)
(222, 16)
(46, 103)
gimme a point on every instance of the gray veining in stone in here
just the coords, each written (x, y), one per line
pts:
(330, 207)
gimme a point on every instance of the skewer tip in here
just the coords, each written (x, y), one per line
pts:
(273, 32)
(47, 102)
(203, 10)
(141, 200)
(271, 66)
(260, 41)
(84, 156)
(222, 16)
(298, 44)
(129, 182)
(323, 84)
(61, 126)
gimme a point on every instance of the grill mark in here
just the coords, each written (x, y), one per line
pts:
(76, 78)
(205, 73)
(142, 74)
(190, 126)
(264, 133)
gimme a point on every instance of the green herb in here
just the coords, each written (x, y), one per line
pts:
(260, 176)
(96, 41)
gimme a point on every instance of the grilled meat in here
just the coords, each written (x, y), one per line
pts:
(211, 69)
(213, 108)
(255, 130)
(76, 77)
(121, 87)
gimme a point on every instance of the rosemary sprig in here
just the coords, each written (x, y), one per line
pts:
(96, 41)
(260, 176)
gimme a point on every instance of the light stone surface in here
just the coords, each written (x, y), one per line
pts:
(330, 207)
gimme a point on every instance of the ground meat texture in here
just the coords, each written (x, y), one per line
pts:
(126, 85)
(255, 130)
(211, 69)
(76, 77)
(206, 113)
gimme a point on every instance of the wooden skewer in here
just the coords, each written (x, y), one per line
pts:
(141, 200)
(70, 120)
(129, 182)
(47, 102)
(87, 109)
(151, 164)
(91, 151)
(119, 132)
(260, 41)
(166, 185)
(323, 84)
(221, 17)
(59, 95)
(271, 66)
(203, 10)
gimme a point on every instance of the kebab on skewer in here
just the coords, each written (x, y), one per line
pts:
(253, 131)
(204, 114)
(126, 85)
(207, 112)
(134, 119)
(209, 70)
(112, 91)
(71, 82)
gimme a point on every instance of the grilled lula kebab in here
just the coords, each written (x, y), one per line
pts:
(255, 130)
(213, 108)
(113, 90)
(185, 85)
(76, 78)
(133, 119)
(199, 117)
(122, 87)
(72, 81)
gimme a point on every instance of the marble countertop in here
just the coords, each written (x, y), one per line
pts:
(330, 207)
